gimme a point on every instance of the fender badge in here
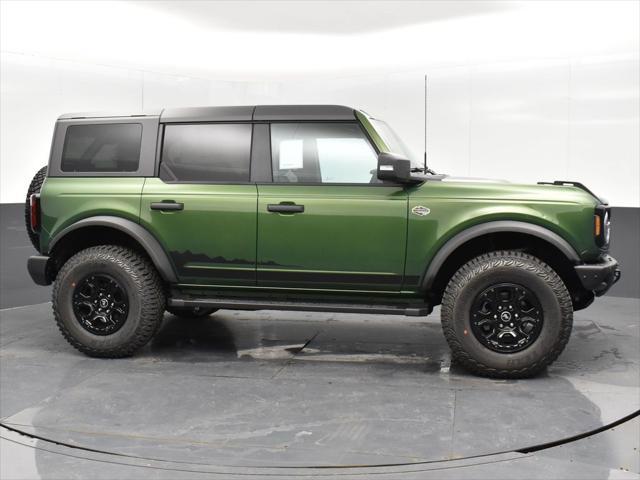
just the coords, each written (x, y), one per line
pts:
(420, 210)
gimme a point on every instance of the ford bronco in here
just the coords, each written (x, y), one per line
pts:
(316, 208)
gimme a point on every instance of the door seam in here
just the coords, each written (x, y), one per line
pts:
(255, 265)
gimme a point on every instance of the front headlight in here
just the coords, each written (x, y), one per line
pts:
(607, 227)
(602, 226)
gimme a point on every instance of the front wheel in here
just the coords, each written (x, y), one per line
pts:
(108, 301)
(506, 314)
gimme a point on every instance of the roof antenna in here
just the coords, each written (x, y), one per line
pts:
(426, 168)
(425, 124)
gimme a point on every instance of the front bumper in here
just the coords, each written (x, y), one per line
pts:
(599, 277)
(38, 267)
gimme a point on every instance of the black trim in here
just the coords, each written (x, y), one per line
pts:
(309, 277)
(488, 456)
(153, 248)
(417, 310)
(167, 205)
(38, 268)
(285, 208)
(573, 184)
(261, 154)
(580, 436)
(368, 137)
(207, 268)
(159, 144)
(493, 227)
(216, 274)
(599, 277)
(316, 184)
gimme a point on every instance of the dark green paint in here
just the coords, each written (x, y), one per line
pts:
(353, 238)
(217, 228)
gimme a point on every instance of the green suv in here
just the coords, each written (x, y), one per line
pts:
(304, 207)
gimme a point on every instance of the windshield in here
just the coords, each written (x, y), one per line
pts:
(394, 142)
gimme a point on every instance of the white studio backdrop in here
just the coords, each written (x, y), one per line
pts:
(519, 121)
(521, 91)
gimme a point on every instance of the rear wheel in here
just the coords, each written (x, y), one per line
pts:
(34, 187)
(191, 312)
(507, 315)
(108, 301)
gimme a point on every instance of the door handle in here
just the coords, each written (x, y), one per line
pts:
(285, 208)
(167, 205)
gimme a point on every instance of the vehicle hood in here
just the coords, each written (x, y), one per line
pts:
(503, 190)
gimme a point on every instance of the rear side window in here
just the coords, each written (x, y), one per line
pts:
(113, 147)
(206, 153)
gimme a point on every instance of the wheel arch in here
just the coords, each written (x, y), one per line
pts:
(505, 235)
(103, 229)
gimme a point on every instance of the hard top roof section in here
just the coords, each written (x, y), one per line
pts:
(109, 114)
(245, 113)
(207, 114)
(257, 113)
(303, 112)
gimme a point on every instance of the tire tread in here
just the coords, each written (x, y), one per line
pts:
(497, 259)
(150, 289)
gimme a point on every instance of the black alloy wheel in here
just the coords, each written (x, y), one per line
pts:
(506, 314)
(506, 317)
(100, 304)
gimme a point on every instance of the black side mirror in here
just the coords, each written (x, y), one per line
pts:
(394, 168)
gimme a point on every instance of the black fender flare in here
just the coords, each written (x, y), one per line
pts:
(492, 227)
(148, 242)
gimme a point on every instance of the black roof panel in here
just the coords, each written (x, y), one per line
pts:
(237, 114)
(207, 114)
(303, 112)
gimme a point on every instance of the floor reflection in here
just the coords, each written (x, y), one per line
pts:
(290, 388)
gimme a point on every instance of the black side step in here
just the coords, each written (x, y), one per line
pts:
(419, 310)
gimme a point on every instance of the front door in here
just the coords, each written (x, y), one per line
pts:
(202, 209)
(326, 221)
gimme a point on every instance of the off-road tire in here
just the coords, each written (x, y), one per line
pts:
(142, 284)
(191, 312)
(493, 268)
(34, 187)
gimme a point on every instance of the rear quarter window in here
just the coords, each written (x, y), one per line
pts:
(113, 147)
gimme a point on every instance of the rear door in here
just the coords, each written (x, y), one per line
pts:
(202, 208)
(326, 221)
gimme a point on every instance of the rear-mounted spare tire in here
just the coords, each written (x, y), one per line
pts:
(34, 187)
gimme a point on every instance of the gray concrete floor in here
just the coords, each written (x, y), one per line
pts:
(287, 394)
(248, 393)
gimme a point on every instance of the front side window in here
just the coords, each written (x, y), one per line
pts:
(111, 147)
(206, 153)
(322, 153)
